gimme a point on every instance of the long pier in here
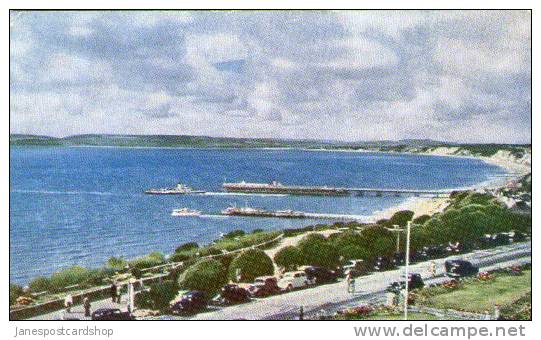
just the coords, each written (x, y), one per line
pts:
(277, 188)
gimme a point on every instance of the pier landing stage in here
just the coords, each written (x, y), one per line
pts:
(278, 188)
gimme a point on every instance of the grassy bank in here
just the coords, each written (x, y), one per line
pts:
(479, 296)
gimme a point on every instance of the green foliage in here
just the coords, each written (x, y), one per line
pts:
(401, 218)
(14, 292)
(421, 219)
(137, 273)
(288, 258)
(68, 277)
(116, 263)
(187, 247)
(467, 218)
(40, 284)
(151, 260)
(207, 275)
(316, 250)
(250, 264)
(158, 297)
(235, 233)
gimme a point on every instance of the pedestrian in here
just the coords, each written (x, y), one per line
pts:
(118, 294)
(86, 305)
(113, 291)
(301, 314)
(351, 282)
(432, 268)
(68, 302)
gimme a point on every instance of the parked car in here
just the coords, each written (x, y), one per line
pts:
(232, 294)
(435, 252)
(320, 275)
(419, 256)
(517, 236)
(191, 302)
(454, 248)
(111, 314)
(294, 280)
(486, 241)
(415, 281)
(357, 267)
(383, 263)
(501, 239)
(399, 258)
(460, 268)
(264, 286)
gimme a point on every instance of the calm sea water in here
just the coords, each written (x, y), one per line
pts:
(81, 206)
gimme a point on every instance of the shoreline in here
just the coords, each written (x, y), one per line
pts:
(419, 205)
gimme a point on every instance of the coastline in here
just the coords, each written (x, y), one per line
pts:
(431, 205)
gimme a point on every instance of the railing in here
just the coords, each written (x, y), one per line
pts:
(93, 294)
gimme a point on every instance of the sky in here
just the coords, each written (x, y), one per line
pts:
(458, 76)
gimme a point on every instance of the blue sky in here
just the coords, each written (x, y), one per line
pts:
(347, 75)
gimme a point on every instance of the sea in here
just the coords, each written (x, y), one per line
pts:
(82, 205)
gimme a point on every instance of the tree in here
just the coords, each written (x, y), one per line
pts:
(40, 284)
(207, 275)
(401, 218)
(187, 247)
(288, 258)
(250, 264)
(421, 219)
(14, 292)
(316, 250)
(116, 263)
(159, 295)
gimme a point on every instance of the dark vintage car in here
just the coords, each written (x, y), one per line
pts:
(486, 241)
(111, 314)
(501, 239)
(454, 248)
(320, 275)
(460, 268)
(517, 236)
(435, 252)
(383, 263)
(415, 281)
(191, 302)
(399, 258)
(264, 286)
(231, 294)
(419, 256)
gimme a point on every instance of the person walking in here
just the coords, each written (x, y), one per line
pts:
(68, 302)
(432, 268)
(351, 282)
(113, 290)
(86, 305)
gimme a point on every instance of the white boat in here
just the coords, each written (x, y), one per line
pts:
(185, 212)
(180, 189)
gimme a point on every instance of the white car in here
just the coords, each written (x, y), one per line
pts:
(294, 280)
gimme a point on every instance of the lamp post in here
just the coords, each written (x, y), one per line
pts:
(396, 228)
(407, 269)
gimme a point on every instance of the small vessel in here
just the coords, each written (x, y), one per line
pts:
(247, 211)
(179, 189)
(185, 212)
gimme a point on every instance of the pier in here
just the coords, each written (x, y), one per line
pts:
(278, 188)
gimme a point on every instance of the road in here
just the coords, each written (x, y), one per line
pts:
(335, 296)
(328, 297)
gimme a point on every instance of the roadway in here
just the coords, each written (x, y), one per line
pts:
(335, 296)
(329, 297)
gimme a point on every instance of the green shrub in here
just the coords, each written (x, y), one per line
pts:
(421, 219)
(158, 297)
(40, 284)
(151, 260)
(256, 231)
(187, 247)
(317, 251)
(116, 263)
(180, 257)
(288, 258)
(207, 275)
(14, 292)
(69, 277)
(235, 233)
(250, 264)
(401, 218)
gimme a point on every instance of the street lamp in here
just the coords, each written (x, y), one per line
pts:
(407, 269)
